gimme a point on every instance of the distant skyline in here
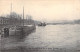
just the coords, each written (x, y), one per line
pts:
(43, 10)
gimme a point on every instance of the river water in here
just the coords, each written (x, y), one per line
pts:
(48, 37)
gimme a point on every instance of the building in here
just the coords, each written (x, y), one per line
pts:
(4, 21)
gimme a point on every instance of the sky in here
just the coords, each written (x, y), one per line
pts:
(43, 10)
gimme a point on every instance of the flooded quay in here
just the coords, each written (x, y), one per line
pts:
(51, 38)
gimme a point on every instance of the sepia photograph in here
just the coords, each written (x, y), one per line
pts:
(39, 25)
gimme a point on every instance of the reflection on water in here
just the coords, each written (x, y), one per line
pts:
(50, 36)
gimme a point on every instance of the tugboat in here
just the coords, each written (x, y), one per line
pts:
(42, 24)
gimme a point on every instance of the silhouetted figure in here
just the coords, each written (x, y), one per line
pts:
(6, 32)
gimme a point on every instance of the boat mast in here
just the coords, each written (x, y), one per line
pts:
(11, 23)
(11, 8)
(23, 15)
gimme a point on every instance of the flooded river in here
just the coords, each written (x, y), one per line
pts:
(48, 37)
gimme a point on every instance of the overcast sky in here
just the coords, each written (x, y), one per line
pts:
(48, 10)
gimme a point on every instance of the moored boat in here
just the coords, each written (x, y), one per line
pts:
(21, 30)
(15, 30)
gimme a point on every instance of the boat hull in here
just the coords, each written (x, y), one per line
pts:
(23, 30)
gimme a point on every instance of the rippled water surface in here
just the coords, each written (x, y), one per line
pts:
(50, 36)
(54, 36)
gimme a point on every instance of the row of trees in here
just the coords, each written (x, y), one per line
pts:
(62, 22)
(15, 19)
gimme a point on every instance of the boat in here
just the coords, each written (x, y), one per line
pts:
(28, 29)
(16, 30)
(20, 30)
(42, 24)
